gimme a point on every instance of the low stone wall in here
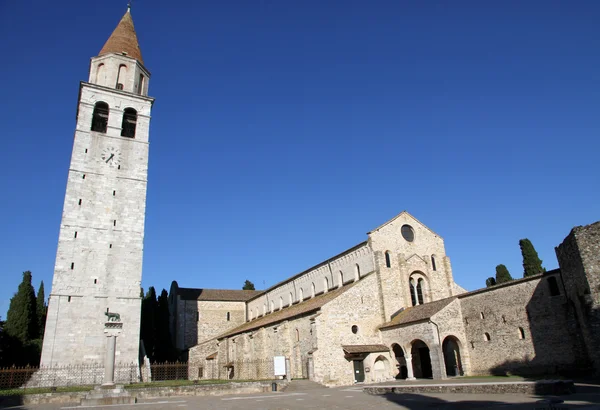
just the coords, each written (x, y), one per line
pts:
(149, 393)
(542, 387)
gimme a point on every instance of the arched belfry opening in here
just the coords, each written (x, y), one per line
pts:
(421, 360)
(100, 117)
(129, 123)
(452, 358)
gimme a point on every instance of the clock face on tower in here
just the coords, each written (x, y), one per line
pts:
(111, 156)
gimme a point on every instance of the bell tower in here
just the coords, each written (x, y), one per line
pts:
(100, 247)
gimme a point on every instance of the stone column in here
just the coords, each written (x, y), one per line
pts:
(112, 329)
(109, 361)
(409, 367)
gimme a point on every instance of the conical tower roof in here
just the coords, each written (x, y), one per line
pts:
(124, 39)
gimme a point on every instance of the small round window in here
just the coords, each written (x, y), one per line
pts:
(354, 329)
(408, 233)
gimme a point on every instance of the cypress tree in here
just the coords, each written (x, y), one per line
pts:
(532, 264)
(21, 318)
(248, 285)
(164, 349)
(148, 322)
(502, 274)
(41, 308)
(490, 282)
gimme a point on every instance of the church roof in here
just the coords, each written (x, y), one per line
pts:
(355, 349)
(123, 40)
(418, 313)
(298, 309)
(222, 295)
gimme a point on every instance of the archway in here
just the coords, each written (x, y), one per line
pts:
(402, 372)
(421, 360)
(452, 360)
(381, 369)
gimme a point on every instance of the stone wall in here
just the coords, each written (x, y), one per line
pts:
(357, 306)
(407, 258)
(579, 260)
(346, 268)
(100, 248)
(518, 327)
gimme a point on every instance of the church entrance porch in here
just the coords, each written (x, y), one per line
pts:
(452, 359)
(402, 370)
(421, 360)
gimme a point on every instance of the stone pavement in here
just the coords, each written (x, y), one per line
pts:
(306, 395)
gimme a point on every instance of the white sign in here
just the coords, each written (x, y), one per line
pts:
(279, 365)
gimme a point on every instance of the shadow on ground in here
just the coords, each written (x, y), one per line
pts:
(463, 401)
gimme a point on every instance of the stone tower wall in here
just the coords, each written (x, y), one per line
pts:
(579, 260)
(100, 248)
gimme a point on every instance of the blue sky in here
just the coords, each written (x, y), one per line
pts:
(283, 131)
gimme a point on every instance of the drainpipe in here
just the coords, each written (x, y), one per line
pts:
(440, 357)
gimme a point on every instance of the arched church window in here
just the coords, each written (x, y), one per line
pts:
(433, 262)
(312, 290)
(100, 117)
(129, 123)
(341, 279)
(356, 272)
(388, 262)
(420, 285)
(413, 293)
(291, 299)
(325, 285)
(301, 295)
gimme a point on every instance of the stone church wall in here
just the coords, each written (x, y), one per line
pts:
(527, 328)
(407, 258)
(357, 306)
(315, 281)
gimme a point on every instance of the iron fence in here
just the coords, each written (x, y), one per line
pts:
(169, 371)
(93, 374)
(55, 376)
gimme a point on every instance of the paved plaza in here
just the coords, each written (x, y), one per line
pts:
(352, 398)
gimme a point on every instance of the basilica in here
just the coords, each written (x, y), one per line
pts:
(387, 308)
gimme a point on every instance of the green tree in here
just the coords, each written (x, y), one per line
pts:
(148, 322)
(502, 274)
(248, 285)
(490, 282)
(532, 264)
(21, 318)
(164, 349)
(42, 310)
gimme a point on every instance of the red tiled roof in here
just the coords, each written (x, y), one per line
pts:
(288, 312)
(352, 349)
(123, 40)
(222, 295)
(418, 313)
